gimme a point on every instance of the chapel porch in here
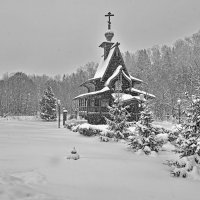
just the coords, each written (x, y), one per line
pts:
(95, 109)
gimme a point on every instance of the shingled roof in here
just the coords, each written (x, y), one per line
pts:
(103, 64)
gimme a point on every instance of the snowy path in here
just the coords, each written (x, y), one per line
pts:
(33, 166)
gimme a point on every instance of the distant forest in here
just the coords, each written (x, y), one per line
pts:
(168, 72)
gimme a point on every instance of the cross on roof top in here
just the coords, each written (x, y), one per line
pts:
(109, 22)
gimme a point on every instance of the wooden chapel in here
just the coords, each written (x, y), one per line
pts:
(110, 83)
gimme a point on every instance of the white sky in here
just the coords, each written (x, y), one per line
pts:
(57, 36)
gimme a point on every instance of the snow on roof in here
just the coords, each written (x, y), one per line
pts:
(103, 64)
(91, 80)
(136, 79)
(143, 92)
(127, 77)
(93, 93)
(116, 72)
(124, 97)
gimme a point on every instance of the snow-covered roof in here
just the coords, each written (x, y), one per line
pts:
(103, 64)
(136, 79)
(91, 80)
(127, 77)
(143, 92)
(124, 97)
(93, 93)
(116, 72)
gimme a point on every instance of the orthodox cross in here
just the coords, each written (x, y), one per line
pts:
(109, 22)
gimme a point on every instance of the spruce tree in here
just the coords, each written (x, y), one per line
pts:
(188, 142)
(48, 105)
(145, 137)
(118, 120)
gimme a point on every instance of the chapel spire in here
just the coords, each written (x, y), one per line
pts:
(109, 22)
(109, 35)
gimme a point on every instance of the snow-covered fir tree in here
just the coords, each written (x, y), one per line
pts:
(188, 142)
(48, 105)
(145, 138)
(118, 121)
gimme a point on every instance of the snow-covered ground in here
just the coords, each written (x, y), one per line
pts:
(33, 166)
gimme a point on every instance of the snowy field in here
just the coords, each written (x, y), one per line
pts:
(33, 166)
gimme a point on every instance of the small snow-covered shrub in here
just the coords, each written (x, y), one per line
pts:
(70, 125)
(185, 167)
(132, 129)
(75, 128)
(74, 124)
(174, 133)
(173, 136)
(145, 138)
(104, 138)
(188, 163)
(147, 144)
(107, 133)
(74, 155)
(163, 137)
(88, 131)
(168, 147)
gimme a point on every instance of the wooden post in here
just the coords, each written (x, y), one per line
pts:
(64, 116)
(58, 113)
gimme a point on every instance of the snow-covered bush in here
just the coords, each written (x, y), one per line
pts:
(161, 133)
(163, 137)
(75, 127)
(70, 125)
(145, 138)
(146, 143)
(104, 138)
(173, 134)
(107, 135)
(88, 130)
(73, 124)
(188, 142)
(118, 122)
(48, 106)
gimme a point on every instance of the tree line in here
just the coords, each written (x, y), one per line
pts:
(167, 71)
(20, 94)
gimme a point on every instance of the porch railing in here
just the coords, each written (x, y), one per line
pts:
(93, 109)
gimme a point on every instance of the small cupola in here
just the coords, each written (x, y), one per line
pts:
(109, 35)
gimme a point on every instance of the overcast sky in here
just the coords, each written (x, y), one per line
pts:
(57, 36)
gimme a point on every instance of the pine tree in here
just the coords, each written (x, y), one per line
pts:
(48, 105)
(118, 121)
(145, 137)
(188, 142)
